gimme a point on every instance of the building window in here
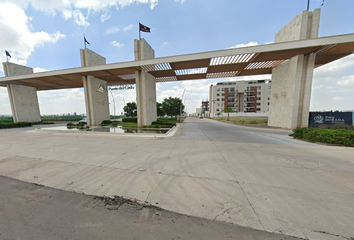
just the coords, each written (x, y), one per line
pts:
(223, 99)
(258, 109)
(258, 98)
(259, 93)
(268, 98)
(218, 104)
(217, 109)
(218, 99)
(259, 104)
(222, 104)
(218, 94)
(223, 94)
(268, 93)
(269, 87)
(218, 90)
(268, 104)
(259, 88)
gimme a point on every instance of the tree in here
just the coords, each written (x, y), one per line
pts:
(160, 112)
(218, 114)
(172, 106)
(228, 110)
(130, 109)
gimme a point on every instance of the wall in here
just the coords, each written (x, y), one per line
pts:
(23, 99)
(96, 94)
(292, 80)
(145, 85)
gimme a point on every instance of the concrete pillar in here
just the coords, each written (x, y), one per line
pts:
(145, 85)
(96, 94)
(23, 99)
(292, 80)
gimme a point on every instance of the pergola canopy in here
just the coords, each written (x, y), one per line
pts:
(255, 60)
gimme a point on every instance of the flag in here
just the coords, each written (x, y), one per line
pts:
(7, 54)
(322, 3)
(144, 28)
(86, 41)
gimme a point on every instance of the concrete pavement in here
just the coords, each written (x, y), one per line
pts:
(35, 212)
(259, 178)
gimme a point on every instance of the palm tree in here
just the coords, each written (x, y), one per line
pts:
(228, 110)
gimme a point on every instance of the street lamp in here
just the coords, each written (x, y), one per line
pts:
(114, 105)
(214, 108)
(180, 107)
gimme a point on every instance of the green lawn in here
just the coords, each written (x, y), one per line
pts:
(244, 120)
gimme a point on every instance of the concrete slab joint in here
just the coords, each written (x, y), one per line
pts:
(292, 80)
(145, 85)
(23, 99)
(96, 94)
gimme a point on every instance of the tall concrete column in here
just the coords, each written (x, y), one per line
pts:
(145, 85)
(292, 80)
(96, 94)
(23, 99)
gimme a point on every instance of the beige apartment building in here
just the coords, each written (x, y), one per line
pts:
(243, 96)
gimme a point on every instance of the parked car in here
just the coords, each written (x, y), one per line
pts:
(200, 116)
(83, 121)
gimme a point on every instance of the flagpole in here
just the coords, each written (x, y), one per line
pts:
(139, 32)
(85, 40)
(308, 5)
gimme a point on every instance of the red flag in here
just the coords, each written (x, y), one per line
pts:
(143, 28)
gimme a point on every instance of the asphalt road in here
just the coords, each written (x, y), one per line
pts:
(34, 212)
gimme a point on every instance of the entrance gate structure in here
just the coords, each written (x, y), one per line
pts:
(297, 51)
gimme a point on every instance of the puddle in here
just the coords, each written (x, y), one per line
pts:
(117, 129)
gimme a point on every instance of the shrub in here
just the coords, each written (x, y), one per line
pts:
(15, 125)
(334, 136)
(130, 119)
(106, 123)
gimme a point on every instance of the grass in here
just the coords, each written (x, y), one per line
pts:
(6, 119)
(244, 120)
(21, 124)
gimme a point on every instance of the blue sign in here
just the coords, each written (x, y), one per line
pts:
(331, 118)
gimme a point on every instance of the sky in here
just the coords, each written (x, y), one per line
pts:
(48, 35)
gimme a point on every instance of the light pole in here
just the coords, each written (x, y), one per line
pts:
(180, 107)
(114, 105)
(214, 108)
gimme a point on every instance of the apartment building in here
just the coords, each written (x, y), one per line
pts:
(241, 96)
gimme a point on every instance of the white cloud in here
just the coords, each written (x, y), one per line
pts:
(338, 98)
(181, 1)
(117, 44)
(72, 8)
(245, 45)
(112, 30)
(38, 69)
(346, 81)
(62, 101)
(80, 19)
(20, 41)
(334, 70)
(128, 28)
(105, 16)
